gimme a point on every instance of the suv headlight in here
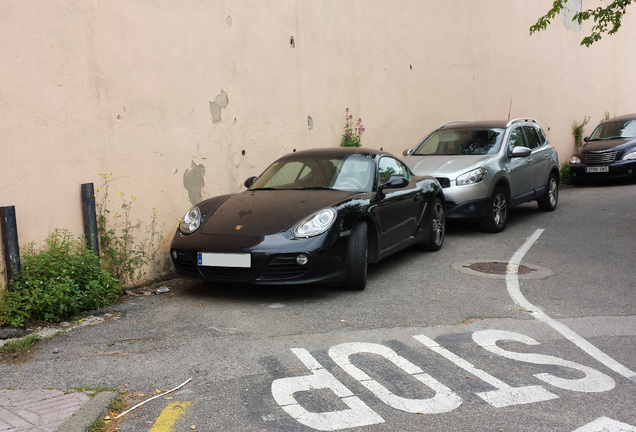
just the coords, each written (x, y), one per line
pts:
(472, 177)
(630, 156)
(191, 221)
(315, 224)
(575, 160)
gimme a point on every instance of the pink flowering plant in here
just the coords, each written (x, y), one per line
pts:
(352, 135)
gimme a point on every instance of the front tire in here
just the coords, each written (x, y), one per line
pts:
(357, 258)
(497, 217)
(436, 226)
(549, 201)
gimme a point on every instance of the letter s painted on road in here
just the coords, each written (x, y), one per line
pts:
(593, 381)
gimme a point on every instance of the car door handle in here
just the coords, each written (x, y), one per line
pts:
(418, 197)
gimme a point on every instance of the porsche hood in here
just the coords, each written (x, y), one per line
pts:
(265, 212)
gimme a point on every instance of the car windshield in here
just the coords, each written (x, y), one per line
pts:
(614, 130)
(461, 141)
(347, 173)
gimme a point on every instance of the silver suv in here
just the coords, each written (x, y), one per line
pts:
(487, 167)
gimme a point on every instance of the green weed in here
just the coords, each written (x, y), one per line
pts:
(564, 174)
(125, 249)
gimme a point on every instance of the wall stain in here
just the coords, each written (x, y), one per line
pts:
(220, 102)
(193, 181)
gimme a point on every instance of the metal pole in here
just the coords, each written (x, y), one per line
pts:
(10, 246)
(90, 217)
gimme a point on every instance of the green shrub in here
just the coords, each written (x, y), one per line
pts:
(60, 281)
(564, 174)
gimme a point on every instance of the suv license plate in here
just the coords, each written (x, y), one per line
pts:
(224, 260)
(597, 169)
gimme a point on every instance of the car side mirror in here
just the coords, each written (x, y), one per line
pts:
(586, 139)
(250, 181)
(520, 151)
(395, 182)
(407, 152)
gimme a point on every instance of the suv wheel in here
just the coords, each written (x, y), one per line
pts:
(549, 200)
(497, 217)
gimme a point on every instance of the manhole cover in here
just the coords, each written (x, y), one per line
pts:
(497, 268)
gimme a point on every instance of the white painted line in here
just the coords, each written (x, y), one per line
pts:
(604, 424)
(512, 283)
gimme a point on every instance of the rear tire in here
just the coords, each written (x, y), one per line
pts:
(357, 258)
(549, 201)
(498, 208)
(436, 226)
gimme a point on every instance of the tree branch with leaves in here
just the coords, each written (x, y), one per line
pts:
(606, 19)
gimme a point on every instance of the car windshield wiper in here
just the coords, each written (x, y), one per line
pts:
(314, 188)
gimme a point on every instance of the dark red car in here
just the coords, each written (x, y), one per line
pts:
(609, 153)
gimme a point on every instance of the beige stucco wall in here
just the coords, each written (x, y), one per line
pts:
(129, 87)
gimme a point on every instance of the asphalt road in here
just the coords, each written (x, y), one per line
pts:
(428, 345)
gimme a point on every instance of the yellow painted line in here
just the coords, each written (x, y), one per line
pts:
(169, 416)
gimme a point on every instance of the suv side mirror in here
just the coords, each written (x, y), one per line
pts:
(586, 139)
(520, 151)
(407, 152)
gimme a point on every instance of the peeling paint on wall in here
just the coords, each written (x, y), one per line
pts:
(571, 8)
(193, 181)
(310, 122)
(220, 102)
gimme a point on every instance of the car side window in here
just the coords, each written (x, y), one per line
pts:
(532, 137)
(388, 167)
(516, 139)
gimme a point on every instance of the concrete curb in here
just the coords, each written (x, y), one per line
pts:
(94, 409)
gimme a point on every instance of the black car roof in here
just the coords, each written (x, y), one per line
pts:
(339, 151)
(625, 117)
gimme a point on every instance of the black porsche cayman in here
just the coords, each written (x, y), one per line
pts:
(315, 216)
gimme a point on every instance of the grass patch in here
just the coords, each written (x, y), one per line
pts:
(109, 423)
(14, 348)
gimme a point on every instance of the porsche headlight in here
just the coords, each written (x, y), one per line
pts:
(630, 156)
(191, 221)
(315, 224)
(472, 177)
(575, 160)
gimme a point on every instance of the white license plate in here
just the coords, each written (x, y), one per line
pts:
(597, 169)
(225, 260)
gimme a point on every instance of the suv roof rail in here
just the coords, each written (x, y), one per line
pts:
(520, 120)
(454, 121)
